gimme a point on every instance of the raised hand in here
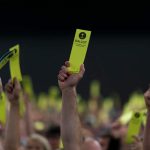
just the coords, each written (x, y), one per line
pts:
(147, 99)
(12, 90)
(66, 79)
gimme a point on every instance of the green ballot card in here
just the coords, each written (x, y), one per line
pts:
(14, 64)
(134, 127)
(79, 50)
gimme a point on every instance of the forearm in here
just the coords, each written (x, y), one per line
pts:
(12, 129)
(28, 122)
(146, 142)
(70, 126)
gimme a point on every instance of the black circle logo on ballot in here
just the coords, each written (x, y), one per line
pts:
(137, 115)
(82, 35)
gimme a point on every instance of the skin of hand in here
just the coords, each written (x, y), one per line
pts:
(12, 135)
(146, 140)
(147, 99)
(1, 88)
(70, 122)
(13, 90)
(138, 143)
(68, 80)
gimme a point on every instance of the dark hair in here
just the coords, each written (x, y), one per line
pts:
(53, 131)
(114, 144)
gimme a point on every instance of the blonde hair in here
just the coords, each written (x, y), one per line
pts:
(41, 139)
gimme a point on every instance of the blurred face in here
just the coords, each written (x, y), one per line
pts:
(104, 142)
(91, 145)
(54, 142)
(34, 145)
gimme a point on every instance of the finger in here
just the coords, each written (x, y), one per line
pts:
(61, 78)
(147, 95)
(136, 138)
(16, 84)
(8, 88)
(82, 70)
(65, 75)
(67, 64)
(64, 69)
(0, 81)
(1, 85)
(10, 82)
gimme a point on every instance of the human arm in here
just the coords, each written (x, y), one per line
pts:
(12, 90)
(70, 122)
(146, 142)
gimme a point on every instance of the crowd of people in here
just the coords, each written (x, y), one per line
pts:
(70, 123)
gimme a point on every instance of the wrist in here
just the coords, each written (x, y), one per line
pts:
(69, 89)
(14, 102)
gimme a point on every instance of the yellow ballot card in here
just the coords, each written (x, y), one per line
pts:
(22, 108)
(1, 88)
(61, 144)
(134, 127)
(125, 117)
(15, 64)
(79, 49)
(6, 57)
(28, 86)
(3, 104)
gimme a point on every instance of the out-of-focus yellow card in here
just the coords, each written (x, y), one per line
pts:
(134, 127)
(15, 64)
(28, 86)
(79, 50)
(1, 88)
(125, 117)
(22, 108)
(3, 108)
(61, 144)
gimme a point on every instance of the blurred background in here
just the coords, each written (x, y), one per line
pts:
(118, 53)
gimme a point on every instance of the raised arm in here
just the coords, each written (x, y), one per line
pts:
(146, 143)
(27, 117)
(12, 89)
(70, 123)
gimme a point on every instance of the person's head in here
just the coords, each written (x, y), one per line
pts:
(109, 141)
(37, 142)
(104, 141)
(104, 137)
(91, 144)
(53, 136)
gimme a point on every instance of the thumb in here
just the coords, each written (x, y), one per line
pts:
(17, 84)
(136, 138)
(1, 86)
(82, 70)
